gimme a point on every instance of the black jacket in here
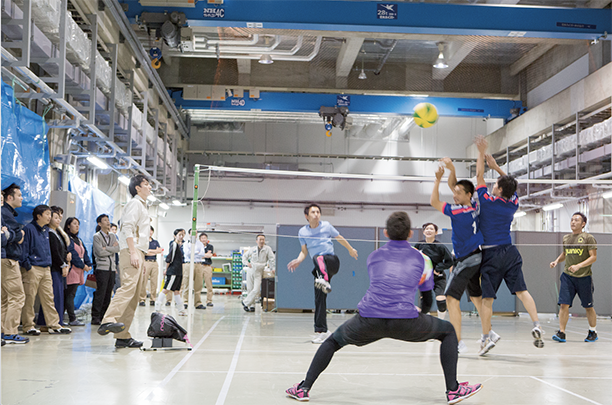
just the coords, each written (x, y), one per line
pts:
(59, 250)
(12, 248)
(438, 253)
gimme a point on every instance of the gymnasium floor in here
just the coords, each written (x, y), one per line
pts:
(241, 358)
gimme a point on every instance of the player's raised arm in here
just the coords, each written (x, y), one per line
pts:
(435, 194)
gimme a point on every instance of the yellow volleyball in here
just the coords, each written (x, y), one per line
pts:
(425, 115)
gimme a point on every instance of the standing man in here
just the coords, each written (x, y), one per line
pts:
(186, 248)
(466, 239)
(134, 244)
(501, 260)
(13, 296)
(36, 273)
(204, 254)
(105, 246)
(151, 270)
(579, 253)
(256, 259)
(316, 240)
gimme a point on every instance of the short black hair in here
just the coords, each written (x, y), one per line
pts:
(203, 234)
(10, 190)
(398, 226)
(153, 229)
(98, 228)
(432, 224)
(261, 234)
(467, 186)
(584, 217)
(100, 218)
(508, 185)
(115, 225)
(57, 210)
(308, 207)
(39, 210)
(177, 231)
(136, 181)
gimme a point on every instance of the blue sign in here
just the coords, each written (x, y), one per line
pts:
(213, 12)
(386, 11)
(343, 101)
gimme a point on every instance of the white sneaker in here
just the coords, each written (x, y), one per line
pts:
(441, 314)
(537, 333)
(323, 285)
(485, 346)
(494, 336)
(321, 337)
(461, 347)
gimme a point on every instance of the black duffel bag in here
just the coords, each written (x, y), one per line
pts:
(165, 326)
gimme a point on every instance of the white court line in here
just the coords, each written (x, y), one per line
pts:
(566, 391)
(232, 369)
(149, 394)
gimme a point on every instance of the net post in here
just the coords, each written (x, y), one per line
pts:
(194, 229)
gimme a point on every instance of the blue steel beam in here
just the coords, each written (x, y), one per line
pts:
(410, 18)
(359, 104)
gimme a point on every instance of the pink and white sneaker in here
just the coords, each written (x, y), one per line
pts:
(462, 392)
(298, 393)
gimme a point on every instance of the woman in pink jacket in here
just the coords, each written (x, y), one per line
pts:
(79, 265)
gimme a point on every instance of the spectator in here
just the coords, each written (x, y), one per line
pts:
(134, 244)
(151, 270)
(60, 259)
(13, 296)
(105, 246)
(36, 274)
(80, 264)
(173, 273)
(255, 261)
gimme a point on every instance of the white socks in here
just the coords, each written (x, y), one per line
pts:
(179, 302)
(160, 301)
(441, 314)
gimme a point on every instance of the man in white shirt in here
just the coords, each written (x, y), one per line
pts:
(201, 263)
(255, 261)
(134, 243)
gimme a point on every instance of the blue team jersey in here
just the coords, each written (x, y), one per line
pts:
(496, 216)
(466, 234)
(318, 240)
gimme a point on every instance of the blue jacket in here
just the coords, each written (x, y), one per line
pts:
(35, 246)
(4, 241)
(12, 248)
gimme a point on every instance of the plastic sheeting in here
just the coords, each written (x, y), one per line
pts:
(90, 202)
(25, 153)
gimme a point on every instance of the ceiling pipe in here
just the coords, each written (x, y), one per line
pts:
(253, 41)
(242, 49)
(385, 57)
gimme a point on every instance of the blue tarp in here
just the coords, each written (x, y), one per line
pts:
(90, 202)
(25, 153)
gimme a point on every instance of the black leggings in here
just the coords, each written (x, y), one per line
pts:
(69, 295)
(361, 331)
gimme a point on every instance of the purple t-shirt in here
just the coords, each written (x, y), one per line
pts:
(396, 270)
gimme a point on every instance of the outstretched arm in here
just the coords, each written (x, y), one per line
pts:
(452, 176)
(344, 242)
(493, 165)
(481, 144)
(435, 194)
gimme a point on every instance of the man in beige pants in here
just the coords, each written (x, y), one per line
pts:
(36, 273)
(134, 243)
(13, 296)
(151, 270)
(202, 272)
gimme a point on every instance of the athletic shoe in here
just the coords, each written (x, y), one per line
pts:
(591, 337)
(494, 336)
(296, 392)
(537, 333)
(246, 309)
(60, 331)
(109, 327)
(461, 347)
(462, 392)
(76, 322)
(15, 339)
(142, 303)
(152, 303)
(486, 345)
(559, 336)
(200, 307)
(210, 304)
(321, 337)
(323, 285)
(129, 343)
(167, 303)
(252, 309)
(33, 332)
(182, 313)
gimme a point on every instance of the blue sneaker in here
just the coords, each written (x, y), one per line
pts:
(592, 336)
(15, 339)
(559, 336)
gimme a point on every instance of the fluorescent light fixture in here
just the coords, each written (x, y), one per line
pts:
(164, 206)
(551, 207)
(99, 163)
(266, 59)
(418, 95)
(125, 180)
(362, 75)
(607, 194)
(441, 61)
(519, 214)
(151, 198)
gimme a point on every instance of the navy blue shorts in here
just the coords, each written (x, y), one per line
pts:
(570, 286)
(501, 263)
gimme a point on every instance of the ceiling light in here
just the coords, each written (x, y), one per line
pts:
(151, 198)
(441, 61)
(124, 179)
(519, 214)
(99, 163)
(266, 59)
(362, 75)
(164, 206)
(551, 207)
(607, 194)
